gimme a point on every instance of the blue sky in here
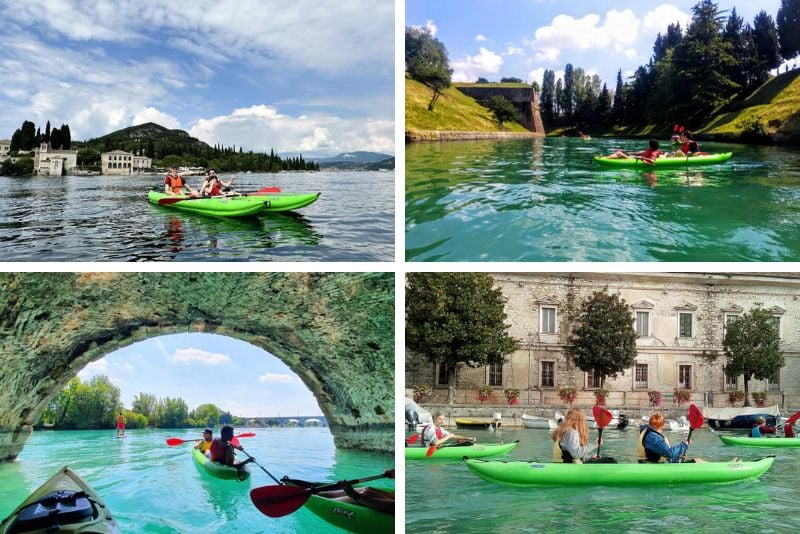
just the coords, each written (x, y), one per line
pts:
(522, 38)
(294, 75)
(207, 368)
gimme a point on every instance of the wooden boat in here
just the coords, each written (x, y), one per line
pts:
(477, 423)
(534, 421)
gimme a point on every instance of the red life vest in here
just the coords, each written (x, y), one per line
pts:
(439, 434)
(689, 147)
(217, 450)
(175, 182)
(217, 189)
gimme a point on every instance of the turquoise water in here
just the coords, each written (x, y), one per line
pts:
(150, 487)
(446, 497)
(546, 200)
(108, 218)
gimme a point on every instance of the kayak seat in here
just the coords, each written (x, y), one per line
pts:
(56, 508)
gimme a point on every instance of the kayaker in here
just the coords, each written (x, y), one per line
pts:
(571, 441)
(647, 156)
(120, 425)
(175, 184)
(204, 445)
(434, 434)
(212, 185)
(688, 145)
(654, 447)
(374, 498)
(221, 449)
(755, 432)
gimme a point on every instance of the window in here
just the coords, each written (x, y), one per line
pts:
(496, 374)
(592, 380)
(641, 376)
(776, 320)
(731, 382)
(774, 384)
(729, 319)
(548, 374)
(685, 376)
(548, 320)
(642, 323)
(441, 374)
(685, 324)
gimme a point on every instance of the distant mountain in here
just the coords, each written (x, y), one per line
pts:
(357, 160)
(137, 136)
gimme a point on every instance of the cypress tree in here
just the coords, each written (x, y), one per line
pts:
(66, 137)
(789, 28)
(617, 108)
(765, 36)
(46, 138)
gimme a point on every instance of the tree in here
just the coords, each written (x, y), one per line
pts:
(456, 318)
(80, 406)
(177, 161)
(502, 109)
(46, 137)
(568, 95)
(742, 48)
(604, 106)
(548, 97)
(604, 342)
(427, 62)
(510, 79)
(765, 37)
(752, 348)
(172, 413)
(617, 108)
(789, 28)
(206, 415)
(145, 404)
(482, 80)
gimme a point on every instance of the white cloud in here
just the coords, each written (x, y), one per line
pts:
(279, 378)
(97, 367)
(566, 32)
(657, 20)
(192, 355)
(151, 114)
(537, 75)
(262, 128)
(480, 38)
(512, 50)
(430, 27)
(472, 67)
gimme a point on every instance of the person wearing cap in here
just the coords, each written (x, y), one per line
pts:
(212, 185)
(175, 184)
(204, 445)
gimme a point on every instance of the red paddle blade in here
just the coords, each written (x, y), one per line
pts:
(793, 418)
(171, 200)
(695, 417)
(235, 441)
(601, 416)
(431, 450)
(175, 441)
(415, 438)
(675, 128)
(682, 129)
(267, 190)
(245, 435)
(278, 501)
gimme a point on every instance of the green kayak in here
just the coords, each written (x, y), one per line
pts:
(472, 451)
(236, 206)
(218, 470)
(760, 442)
(65, 503)
(552, 474)
(709, 159)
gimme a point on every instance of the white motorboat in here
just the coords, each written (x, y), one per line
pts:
(535, 421)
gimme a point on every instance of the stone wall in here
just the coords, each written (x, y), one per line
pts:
(524, 99)
(334, 330)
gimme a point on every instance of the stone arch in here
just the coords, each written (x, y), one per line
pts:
(334, 330)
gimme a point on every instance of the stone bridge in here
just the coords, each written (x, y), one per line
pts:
(522, 96)
(334, 330)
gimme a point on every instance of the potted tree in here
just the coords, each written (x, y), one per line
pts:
(656, 398)
(600, 395)
(485, 393)
(567, 394)
(760, 398)
(421, 391)
(682, 396)
(512, 395)
(735, 397)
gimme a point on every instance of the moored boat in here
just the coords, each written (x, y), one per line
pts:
(676, 161)
(742, 418)
(760, 442)
(65, 503)
(534, 421)
(519, 473)
(477, 423)
(217, 470)
(478, 450)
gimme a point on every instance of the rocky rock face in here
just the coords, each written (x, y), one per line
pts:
(334, 330)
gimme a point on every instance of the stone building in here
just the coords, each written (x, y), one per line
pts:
(121, 162)
(5, 148)
(680, 320)
(49, 162)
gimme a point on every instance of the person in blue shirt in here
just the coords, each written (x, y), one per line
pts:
(755, 432)
(654, 446)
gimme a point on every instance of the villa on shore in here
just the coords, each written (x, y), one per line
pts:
(49, 162)
(5, 148)
(121, 162)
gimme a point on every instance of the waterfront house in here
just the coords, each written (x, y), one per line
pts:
(121, 162)
(49, 162)
(5, 148)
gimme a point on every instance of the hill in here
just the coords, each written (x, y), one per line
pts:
(359, 160)
(771, 112)
(454, 111)
(139, 137)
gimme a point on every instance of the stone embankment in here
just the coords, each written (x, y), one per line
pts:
(441, 135)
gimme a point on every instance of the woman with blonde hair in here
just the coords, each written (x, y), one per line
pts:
(572, 440)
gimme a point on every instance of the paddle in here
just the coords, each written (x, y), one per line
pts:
(413, 439)
(695, 420)
(278, 501)
(793, 419)
(259, 465)
(175, 441)
(602, 417)
(450, 443)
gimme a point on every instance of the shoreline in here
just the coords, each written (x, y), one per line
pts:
(415, 136)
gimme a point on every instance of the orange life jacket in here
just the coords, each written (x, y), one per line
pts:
(175, 182)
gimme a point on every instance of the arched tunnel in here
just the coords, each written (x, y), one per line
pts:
(334, 330)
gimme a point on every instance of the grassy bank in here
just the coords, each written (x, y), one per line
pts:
(454, 111)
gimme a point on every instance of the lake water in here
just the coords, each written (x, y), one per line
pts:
(546, 200)
(150, 487)
(108, 218)
(446, 497)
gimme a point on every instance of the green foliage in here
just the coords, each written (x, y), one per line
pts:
(788, 22)
(427, 61)
(456, 318)
(604, 341)
(172, 160)
(22, 167)
(502, 109)
(145, 404)
(206, 415)
(172, 413)
(81, 406)
(134, 420)
(752, 347)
